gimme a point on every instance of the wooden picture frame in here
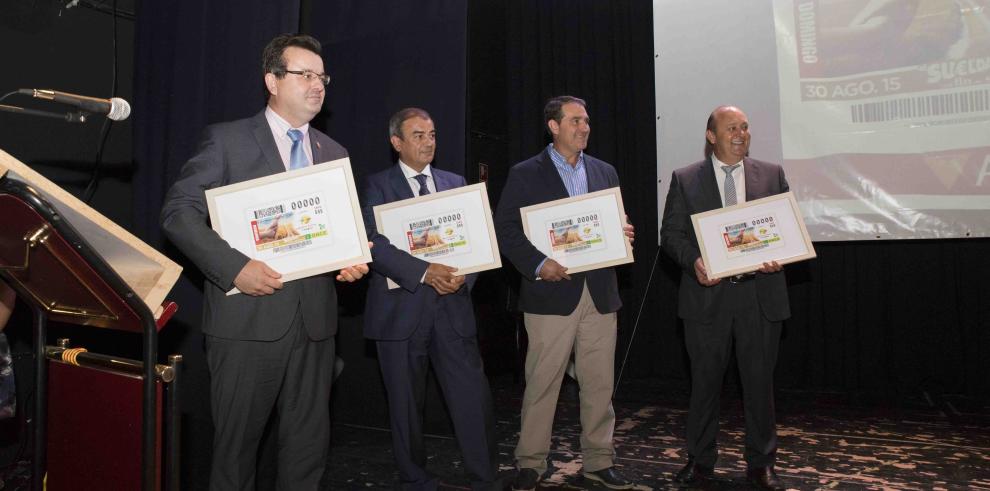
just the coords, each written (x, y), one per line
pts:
(452, 227)
(740, 238)
(581, 233)
(300, 223)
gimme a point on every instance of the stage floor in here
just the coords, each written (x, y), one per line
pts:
(826, 441)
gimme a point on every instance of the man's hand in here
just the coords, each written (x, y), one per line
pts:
(702, 274)
(453, 285)
(553, 271)
(771, 267)
(257, 279)
(351, 274)
(629, 231)
(441, 278)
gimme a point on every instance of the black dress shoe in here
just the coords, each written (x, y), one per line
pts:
(526, 480)
(693, 473)
(764, 478)
(610, 478)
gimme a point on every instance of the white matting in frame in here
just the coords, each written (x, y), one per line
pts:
(452, 227)
(740, 238)
(300, 223)
(581, 232)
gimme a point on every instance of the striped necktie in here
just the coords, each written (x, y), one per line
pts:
(730, 185)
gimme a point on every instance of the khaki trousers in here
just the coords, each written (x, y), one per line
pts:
(552, 338)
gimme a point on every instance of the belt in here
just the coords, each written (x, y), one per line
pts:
(741, 278)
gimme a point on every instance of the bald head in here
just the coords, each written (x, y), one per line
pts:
(727, 134)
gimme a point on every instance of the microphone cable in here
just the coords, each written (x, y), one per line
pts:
(632, 337)
(94, 178)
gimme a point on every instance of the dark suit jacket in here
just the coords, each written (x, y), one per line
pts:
(394, 314)
(536, 181)
(230, 153)
(693, 189)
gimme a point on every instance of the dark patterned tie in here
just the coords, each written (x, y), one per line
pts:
(421, 179)
(730, 185)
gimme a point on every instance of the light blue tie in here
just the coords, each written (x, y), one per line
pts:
(297, 156)
(423, 188)
(730, 185)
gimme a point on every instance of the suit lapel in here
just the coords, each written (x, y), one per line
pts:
(709, 186)
(554, 184)
(596, 179)
(398, 182)
(263, 135)
(753, 179)
(440, 180)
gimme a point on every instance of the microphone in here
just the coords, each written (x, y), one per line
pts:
(116, 108)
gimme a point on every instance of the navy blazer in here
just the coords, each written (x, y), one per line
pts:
(535, 181)
(394, 314)
(229, 153)
(693, 189)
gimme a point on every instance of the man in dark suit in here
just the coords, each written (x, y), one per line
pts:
(563, 313)
(428, 318)
(748, 308)
(272, 345)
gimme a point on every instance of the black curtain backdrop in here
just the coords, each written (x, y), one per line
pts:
(893, 317)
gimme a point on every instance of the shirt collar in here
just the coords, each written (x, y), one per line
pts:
(281, 125)
(410, 173)
(561, 163)
(718, 163)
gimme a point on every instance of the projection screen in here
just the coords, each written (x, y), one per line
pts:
(879, 110)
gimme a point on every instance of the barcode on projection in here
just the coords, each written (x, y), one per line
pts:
(922, 106)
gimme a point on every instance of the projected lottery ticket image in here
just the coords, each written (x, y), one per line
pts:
(885, 107)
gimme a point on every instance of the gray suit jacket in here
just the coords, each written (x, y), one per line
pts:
(693, 189)
(230, 153)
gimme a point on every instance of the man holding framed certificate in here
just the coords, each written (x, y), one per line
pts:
(429, 317)
(271, 345)
(563, 312)
(748, 308)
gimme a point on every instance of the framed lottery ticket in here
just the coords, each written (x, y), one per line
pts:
(581, 232)
(452, 227)
(740, 238)
(301, 223)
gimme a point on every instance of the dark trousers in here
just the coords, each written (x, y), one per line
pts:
(457, 364)
(756, 341)
(250, 379)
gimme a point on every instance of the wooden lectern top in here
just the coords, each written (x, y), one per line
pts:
(145, 270)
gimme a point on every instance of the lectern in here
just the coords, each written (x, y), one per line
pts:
(74, 266)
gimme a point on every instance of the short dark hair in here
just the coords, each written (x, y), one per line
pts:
(554, 108)
(710, 126)
(273, 59)
(395, 122)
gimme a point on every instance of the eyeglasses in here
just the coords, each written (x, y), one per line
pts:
(311, 76)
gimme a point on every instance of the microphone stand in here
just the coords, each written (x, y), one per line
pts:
(76, 117)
